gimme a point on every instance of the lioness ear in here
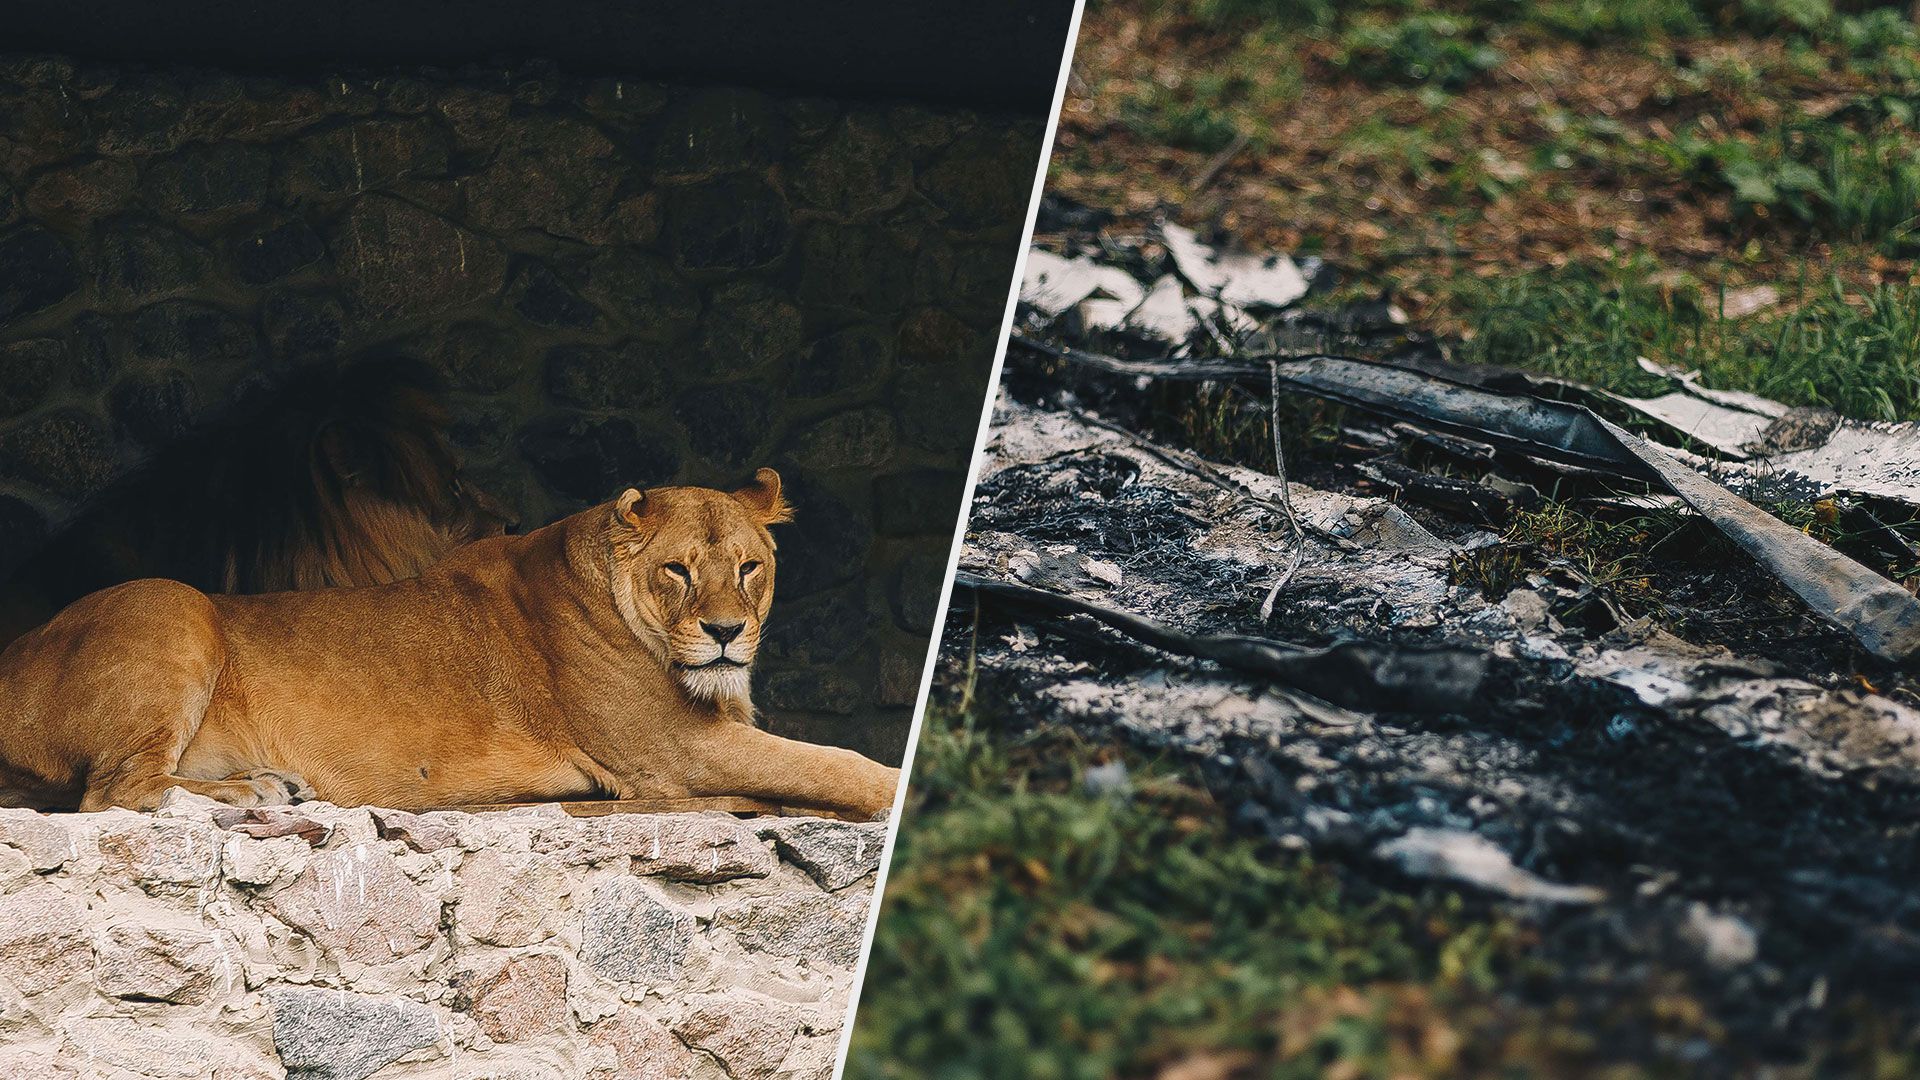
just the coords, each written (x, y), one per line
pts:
(762, 499)
(628, 508)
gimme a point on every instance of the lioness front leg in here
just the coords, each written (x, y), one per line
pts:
(739, 759)
(252, 790)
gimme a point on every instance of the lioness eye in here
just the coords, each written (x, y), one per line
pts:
(678, 569)
(749, 567)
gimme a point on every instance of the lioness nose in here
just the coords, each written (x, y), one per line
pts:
(722, 632)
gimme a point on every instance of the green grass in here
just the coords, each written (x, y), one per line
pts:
(1869, 31)
(1032, 929)
(1858, 353)
(1196, 118)
(1859, 186)
(1850, 173)
(1435, 49)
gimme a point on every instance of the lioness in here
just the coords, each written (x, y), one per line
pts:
(606, 655)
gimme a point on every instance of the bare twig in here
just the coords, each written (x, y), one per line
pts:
(1286, 496)
(1219, 163)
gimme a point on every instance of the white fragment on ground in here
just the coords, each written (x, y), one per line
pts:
(1751, 300)
(1022, 638)
(1056, 283)
(1109, 781)
(1733, 399)
(1529, 610)
(1164, 314)
(1472, 859)
(1103, 571)
(1877, 459)
(1238, 279)
(1197, 710)
(1873, 458)
(1723, 941)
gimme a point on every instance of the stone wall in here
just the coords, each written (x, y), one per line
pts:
(319, 943)
(625, 283)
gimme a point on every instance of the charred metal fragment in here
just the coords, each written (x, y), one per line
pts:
(1528, 425)
(1464, 499)
(1354, 674)
(1883, 617)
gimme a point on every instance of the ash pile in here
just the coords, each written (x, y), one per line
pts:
(1706, 769)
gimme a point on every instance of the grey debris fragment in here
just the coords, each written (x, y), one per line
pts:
(1727, 430)
(1351, 674)
(1829, 732)
(1472, 859)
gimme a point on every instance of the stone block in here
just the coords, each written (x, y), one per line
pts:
(711, 132)
(833, 853)
(856, 439)
(859, 169)
(703, 848)
(83, 191)
(728, 225)
(278, 252)
(591, 460)
(158, 854)
(728, 424)
(749, 1036)
(28, 369)
(179, 966)
(814, 927)
(637, 1047)
(37, 271)
(399, 261)
(846, 361)
(357, 905)
(43, 940)
(510, 898)
(207, 179)
(748, 327)
(136, 262)
(631, 933)
(324, 1034)
(526, 998)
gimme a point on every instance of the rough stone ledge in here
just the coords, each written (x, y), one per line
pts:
(326, 943)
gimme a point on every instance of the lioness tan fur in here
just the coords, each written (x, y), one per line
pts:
(605, 655)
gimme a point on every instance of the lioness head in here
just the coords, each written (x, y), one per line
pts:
(692, 576)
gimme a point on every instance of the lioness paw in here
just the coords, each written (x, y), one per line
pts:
(271, 787)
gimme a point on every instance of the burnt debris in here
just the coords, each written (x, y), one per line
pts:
(1711, 778)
